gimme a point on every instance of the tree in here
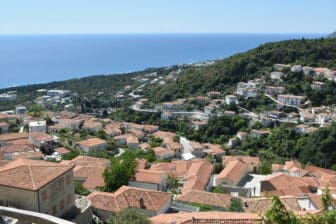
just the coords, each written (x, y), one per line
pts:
(128, 216)
(278, 214)
(236, 205)
(265, 168)
(327, 200)
(119, 172)
(101, 134)
(35, 110)
(80, 189)
(172, 182)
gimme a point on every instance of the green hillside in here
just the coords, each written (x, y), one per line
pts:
(224, 74)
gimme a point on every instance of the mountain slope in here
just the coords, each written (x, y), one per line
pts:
(224, 74)
(332, 35)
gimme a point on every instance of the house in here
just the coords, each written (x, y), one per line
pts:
(209, 109)
(4, 127)
(291, 100)
(260, 133)
(198, 125)
(9, 152)
(163, 153)
(281, 67)
(40, 139)
(231, 99)
(305, 129)
(229, 113)
(260, 205)
(213, 94)
(132, 142)
(149, 129)
(38, 126)
(174, 146)
(284, 184)
(214, 150)
(233, 142)
(89, 171)
(296, 69)
(165, 116)
(307, 70)
(242, 135)
(149, 179)
(253, 162)
(215, 200)
(92, 144)
(276, 75)
(62, 151)
(232, 174)
(4, 138)
(194, 174)
(59, 93)
(38, 186)
(70, 123)
(147, 201)
(145, 146)
(92, 126)
(213, 217)
(122, 139)
(318, 85)
(274, 90)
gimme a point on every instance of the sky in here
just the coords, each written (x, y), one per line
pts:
(166, 16)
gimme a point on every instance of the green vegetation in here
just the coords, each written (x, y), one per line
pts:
(80, 189)
(202, 207)
(278, 214)
(236, 205)
(128, 216)
(172, 182)
(119, 171)
(256, 63)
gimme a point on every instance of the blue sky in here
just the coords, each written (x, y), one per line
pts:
(167, 16)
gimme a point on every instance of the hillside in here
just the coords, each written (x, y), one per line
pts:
(224, 74)
(332, 35)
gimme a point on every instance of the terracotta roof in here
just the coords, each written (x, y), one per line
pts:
(206, 217)
(91, 169)
(129, 197)
(260, 205)
(29, 155)
(160, 151)
(318, 171)
(150, 176)
(164, 134)
(24, 141)
(246, 159)
(287, 185)
(141, 164)
(207, 198)
(92, 142)
(145, 146)
(233, 171)
(31, 174)
(197, 176)
(316, 199)
(62, 150)
(40, 136)
(90, 161)
(13, 136)
(16, 148)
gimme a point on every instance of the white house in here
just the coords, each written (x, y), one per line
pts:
(38, 126)
(276, 75)
(231, 99)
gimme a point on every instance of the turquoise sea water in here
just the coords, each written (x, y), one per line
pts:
(43, 58)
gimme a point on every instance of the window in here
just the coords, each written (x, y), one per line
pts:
(68, 180)
(62, 205)
(69, 199)
(54, 210)
(44, 195)
(61, 184)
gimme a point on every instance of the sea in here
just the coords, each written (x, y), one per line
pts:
(32, 59)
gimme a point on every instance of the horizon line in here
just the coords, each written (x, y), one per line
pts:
(160, 33)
